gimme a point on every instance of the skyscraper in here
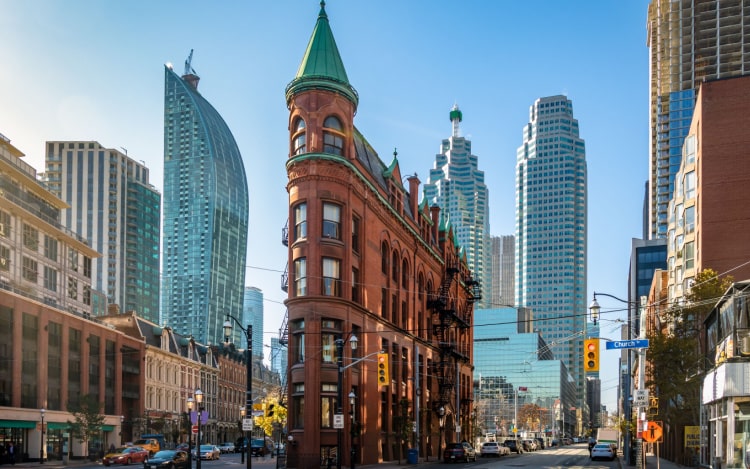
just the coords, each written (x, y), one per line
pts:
(689, 41)
(117, 210)
(252, 313)
(205, 214)
(457, 186)
(503, 271)
(551, 229)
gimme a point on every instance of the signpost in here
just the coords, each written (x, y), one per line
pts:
(623, 344)
(653, 432)
(338, 420)
(640, 399)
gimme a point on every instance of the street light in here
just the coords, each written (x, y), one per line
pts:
(352, 400)
(122, 424)
(190, 405)
(339, 389)
(41, 442)
(199, 400)
(441, 421)
(627, 398)
(249, 393)
(242, 418)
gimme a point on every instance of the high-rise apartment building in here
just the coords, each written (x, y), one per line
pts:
(252, 313)
(690, 41)
(457, 186)
(503, 271)
(205, 214)
(279, 359)
(551, 229)
(117, 210)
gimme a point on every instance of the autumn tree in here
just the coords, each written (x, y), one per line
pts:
(531, 415)
(88, 420)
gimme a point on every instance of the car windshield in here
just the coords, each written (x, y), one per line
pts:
(166, 454)
(490, 444)
(206, 447)
(603, 447)
(120, 450)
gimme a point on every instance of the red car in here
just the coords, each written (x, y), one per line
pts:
(126, 455)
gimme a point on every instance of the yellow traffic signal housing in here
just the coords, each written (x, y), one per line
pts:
(384, 378)
(591, 355)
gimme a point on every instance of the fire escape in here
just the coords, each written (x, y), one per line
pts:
(284, 329)
(450, 315)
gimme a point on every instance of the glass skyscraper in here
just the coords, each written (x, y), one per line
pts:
(205, 214)
(252, 313)
(457, 186)
(551, 238)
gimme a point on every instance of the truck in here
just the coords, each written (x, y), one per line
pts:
(608, 435)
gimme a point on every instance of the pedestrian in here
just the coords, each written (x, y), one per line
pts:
(747, 456)
(12, 453)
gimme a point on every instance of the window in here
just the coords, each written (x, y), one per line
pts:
(86, 294)
(689, 258)
(394, 267)
(4, 224)
(300, 277)
(86, 266)
(299, 138)
(298, 407)
(690, 185)
(328, 346)
(30, 237)
(384, 257)
(405, 274)
(331, 277)
(355, 285)
(298, 344)
(333, 138)
(300, 221)
(327, 404)
(72, 288)
(384, 302)
(331, 221)
(4, 258)
(30, 269)
(50, 248)
(50, 278)
(73, 259)
(355, 234)
(690, 219)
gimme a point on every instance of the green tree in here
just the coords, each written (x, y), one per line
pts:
(88, 420)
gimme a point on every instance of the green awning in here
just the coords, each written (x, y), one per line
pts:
(57, 426)
(17, 424)
(108, 428)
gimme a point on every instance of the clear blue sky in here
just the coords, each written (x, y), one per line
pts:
(93, 70)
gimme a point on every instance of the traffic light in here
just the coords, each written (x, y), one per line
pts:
(591, 355)
(384, 378)
(269, 411)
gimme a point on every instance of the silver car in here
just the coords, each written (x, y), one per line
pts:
(493, 448)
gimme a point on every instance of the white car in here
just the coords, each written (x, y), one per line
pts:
(603, 451)
(493, 448)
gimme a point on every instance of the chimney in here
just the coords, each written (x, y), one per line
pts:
(414, 194)
(435, 215)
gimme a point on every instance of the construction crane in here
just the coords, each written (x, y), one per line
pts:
(188, 68)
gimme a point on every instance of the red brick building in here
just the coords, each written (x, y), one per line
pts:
(367, 261)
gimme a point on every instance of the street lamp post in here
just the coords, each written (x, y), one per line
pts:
(122, 424)
(441, 421)
(340, 389)
(190, 405)
(249, 394)
(199, 401)
(41, 441)
(352, 401)
(242, 418)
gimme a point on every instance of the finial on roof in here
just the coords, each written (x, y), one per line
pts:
(322, 8)
(395, 152)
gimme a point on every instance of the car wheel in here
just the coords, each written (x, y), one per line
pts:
(127, 461)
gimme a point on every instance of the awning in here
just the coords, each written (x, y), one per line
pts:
(17, 424)
(57, 425)
(108, 428)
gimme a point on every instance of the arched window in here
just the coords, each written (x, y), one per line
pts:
(333, 136)
(299, 137)
(404, 274)
(384, 253)
(394, 267)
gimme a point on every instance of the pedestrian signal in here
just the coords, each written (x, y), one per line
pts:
(384, 378)
(591, 355)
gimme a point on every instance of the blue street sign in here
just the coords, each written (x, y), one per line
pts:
(620, 344)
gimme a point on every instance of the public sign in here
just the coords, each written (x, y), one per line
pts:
(620, 344)
(653, 432)
(338, 420)
(247, 425)
(640, 398)
(195, 429)
(194, 417)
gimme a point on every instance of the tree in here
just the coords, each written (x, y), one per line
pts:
(274, 413)
(88, 420)
(531, 415)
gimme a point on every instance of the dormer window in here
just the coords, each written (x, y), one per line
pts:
(333, 136)
(299, 138)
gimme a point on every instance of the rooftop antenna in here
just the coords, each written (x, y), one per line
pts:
(125, 150)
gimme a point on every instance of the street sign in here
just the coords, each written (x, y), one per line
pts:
(653, 432)
(621, 344)
(338, 420)
(247, 425)
(195, 429)
(640, 398)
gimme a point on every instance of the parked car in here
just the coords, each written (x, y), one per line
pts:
(493, 448)
(226, 447)
(529, 445)
(515, 446)
(459, 452)
(126, 455)
(540, 443)
(168, 459)
(209, 452)
(182, 447)
(603, 451)
(554, 443)
(261, 447)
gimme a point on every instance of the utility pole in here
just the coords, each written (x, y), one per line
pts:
(641, 379)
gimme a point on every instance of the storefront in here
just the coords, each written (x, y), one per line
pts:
(726, 397)
(16, 432)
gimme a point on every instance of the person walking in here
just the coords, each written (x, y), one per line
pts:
(12, 453)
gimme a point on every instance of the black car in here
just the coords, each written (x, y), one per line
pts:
(459, 452)
(259, 447)
(515, 446)
(540, 443)
(168, 459)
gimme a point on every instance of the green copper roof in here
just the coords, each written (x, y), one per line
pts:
(322, 67)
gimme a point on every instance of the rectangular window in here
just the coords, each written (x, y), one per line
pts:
(327, 409)
(355, 286)
(30, 237)
(300, 276)
(355, 234)
(690, 185)
(328, 347)
(331, 277)
(298, 412)
(72, 288)
(30, 269)
(689, 260)
(50, 248)
(4, 224)
(331, 221)
(86, 266)
(73, 259)
(690, 219)
(4, 258)
(298, 341)
(50, 278)
(87, 294)
(300, 221)
(384, 303)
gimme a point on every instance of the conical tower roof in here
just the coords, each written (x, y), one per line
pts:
(322, 67)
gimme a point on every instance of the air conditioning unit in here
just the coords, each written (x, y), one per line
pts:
(745, 346)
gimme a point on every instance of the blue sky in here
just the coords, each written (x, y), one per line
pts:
(93, 70)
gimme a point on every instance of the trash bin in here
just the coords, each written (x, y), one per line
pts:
(412, 456)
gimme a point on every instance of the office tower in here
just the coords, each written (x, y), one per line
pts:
(279, 359)
(503, 271)
(117, 210)
(40, 257)
(252, 313)
(205, 214)
(551, 229)
(690, 41)
(457, 186)
(367, 261)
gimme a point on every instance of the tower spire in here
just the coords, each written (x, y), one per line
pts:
(456, 118)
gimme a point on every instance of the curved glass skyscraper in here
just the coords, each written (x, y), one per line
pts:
(205, 214)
